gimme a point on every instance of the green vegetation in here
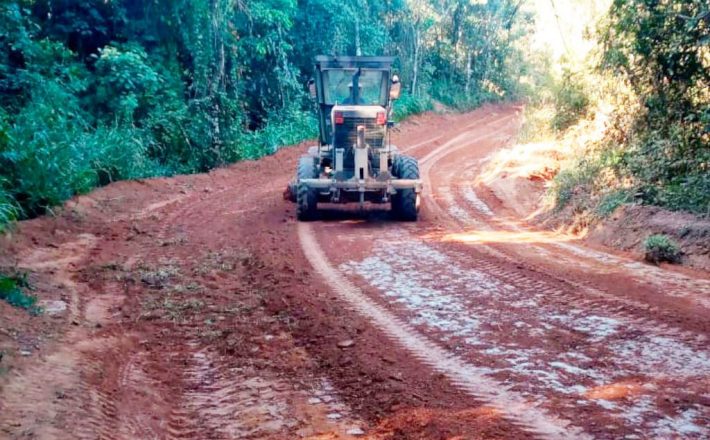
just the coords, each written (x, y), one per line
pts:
(660, 248)
(409, 104)
(653, 76)
(592, 182)
(571, 101)
(611, 200)
(93, 92)
(661, 50)
(11, 287)
(8, 210)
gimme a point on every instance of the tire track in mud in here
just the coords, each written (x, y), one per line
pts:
(100, 420)
(38, 395)
(601, 302)
(657, 338)
(221, 401)
(133, 378)
(185, 418)
(474, 123)
(206, 407)
(584, 295)
(467, 377)
(91, 378)
(113, 366)
(455, 145)
(459, 219)
(105, 357)
(211, 400)
(666, 281)
(548, 347)
(134, 381)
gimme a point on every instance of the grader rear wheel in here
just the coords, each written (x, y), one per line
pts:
(405, 204)
(306, 198)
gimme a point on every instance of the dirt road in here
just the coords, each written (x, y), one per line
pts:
(198, 308)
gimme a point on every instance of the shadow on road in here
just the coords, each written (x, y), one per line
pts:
(371, 214)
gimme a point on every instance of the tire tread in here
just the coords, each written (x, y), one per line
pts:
(306, 198)
(404, 203)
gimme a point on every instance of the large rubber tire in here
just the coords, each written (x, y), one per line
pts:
(404, 203)
(306, 198)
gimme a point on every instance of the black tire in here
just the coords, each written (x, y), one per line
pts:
(404, 203)
(306, 198)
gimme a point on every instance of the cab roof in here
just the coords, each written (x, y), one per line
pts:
(335, 62)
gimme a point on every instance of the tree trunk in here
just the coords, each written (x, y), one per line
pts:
(468, 72)
(216, 82)
(415, 69)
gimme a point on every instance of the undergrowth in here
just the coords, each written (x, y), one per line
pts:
(660, 248)
(408, 105)
(536, 123)
(571, 100)
(288, 127)
(610, 201)
(8, 209)
(654, 149)
(12, 291)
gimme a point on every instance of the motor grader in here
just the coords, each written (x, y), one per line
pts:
(355, 161)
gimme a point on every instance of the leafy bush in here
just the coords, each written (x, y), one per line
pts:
(45, 161)
(571, 101)
(11, 291)
(670, 161)
(409, 104)
(125, 82)
(288, 127)
(688, 193)
(660, 248)
(612, 200)
(575, 182)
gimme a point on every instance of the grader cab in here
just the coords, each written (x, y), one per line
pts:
(354, 161)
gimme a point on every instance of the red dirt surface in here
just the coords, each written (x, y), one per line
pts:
(198, 308)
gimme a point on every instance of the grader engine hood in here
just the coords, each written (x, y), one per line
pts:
(346, 118)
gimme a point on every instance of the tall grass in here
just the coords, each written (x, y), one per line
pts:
(287, 127)
(8, 209)
(408, 105)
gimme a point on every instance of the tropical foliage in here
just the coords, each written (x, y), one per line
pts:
(652, 73)
(661, 49)
(95, 91)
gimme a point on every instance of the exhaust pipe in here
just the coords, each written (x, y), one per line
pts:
(362, 162)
